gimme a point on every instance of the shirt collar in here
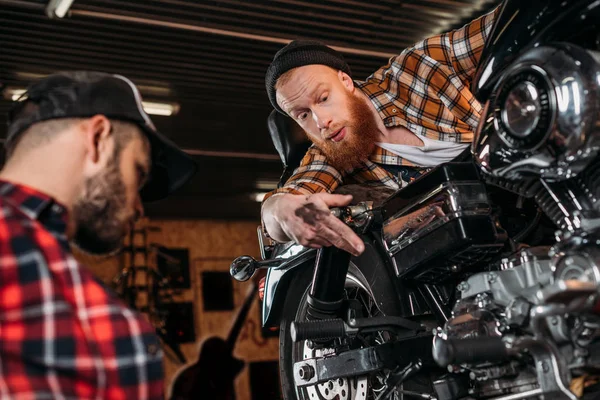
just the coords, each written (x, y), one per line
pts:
(374, 92)
(31, 202)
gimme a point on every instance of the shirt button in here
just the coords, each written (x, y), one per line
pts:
(394, 110)
(153, 349)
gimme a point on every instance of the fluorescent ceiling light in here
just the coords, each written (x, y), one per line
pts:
(165, 109)
(13, 94)
(58, 8)
(154, 90)
(258, 197)
(29, 76)
(266, 184)
(151, 107)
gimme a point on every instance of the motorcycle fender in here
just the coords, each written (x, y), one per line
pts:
(369, 270)
(277, 282)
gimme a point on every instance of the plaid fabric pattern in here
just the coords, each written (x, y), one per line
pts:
(425, 89)
(62, 334)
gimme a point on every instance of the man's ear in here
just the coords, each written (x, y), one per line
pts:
(98, 140)
(346, 80)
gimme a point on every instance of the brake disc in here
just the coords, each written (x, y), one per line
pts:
(335, 389)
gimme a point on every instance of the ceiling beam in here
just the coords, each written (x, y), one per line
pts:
(215, 31)
(196, 28)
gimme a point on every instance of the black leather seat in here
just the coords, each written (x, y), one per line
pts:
(290, 142)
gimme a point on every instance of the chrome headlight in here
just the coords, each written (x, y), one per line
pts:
(523, 109)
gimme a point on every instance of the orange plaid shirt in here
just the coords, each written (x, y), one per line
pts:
(424, 89)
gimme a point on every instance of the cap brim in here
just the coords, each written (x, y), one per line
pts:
(171, 167)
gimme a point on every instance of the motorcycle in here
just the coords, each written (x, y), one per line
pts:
(480, 279)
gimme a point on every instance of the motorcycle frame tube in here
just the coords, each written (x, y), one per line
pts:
(329, 278)
(435, 303)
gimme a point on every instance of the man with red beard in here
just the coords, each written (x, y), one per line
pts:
(81, 156)
(412, 114)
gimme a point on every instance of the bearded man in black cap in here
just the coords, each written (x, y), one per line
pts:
(81, 156)
(412, 114)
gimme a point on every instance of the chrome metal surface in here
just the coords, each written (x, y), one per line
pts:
(539, 302)
(542, 120)
(532, 270)
(521, 112)
(530, 394)
(526, 303)
(243, 267)
(448, 201)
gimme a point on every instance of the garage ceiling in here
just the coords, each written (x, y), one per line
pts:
(209, 57)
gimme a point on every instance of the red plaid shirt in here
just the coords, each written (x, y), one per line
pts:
(62, 334)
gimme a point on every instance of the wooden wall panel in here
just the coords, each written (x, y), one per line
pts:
(212, 246)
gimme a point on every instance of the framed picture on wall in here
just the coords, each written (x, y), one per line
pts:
(174, 265)
(217, 291)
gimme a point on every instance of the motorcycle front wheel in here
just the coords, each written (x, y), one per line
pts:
(352, 388)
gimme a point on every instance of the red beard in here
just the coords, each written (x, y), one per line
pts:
(359, 142)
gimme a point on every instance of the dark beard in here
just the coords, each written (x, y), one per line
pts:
(358, 144)
(98, 229)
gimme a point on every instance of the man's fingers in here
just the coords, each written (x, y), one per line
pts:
(331, 232)
(335, 200)
(312, 224)
(318, 242)
(308, 236)
(341, 236)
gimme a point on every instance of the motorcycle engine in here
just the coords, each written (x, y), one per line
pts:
(539, 137)
(498, 303)
(493, 303)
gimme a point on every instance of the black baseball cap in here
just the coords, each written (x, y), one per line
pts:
(83, 94)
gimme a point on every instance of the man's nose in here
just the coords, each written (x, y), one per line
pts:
(323, 120)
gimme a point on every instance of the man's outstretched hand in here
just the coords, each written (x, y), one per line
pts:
(308, 221)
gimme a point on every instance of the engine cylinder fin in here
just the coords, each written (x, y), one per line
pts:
(590, 182)
(525, 188)
(551, 208)
(564, 201)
